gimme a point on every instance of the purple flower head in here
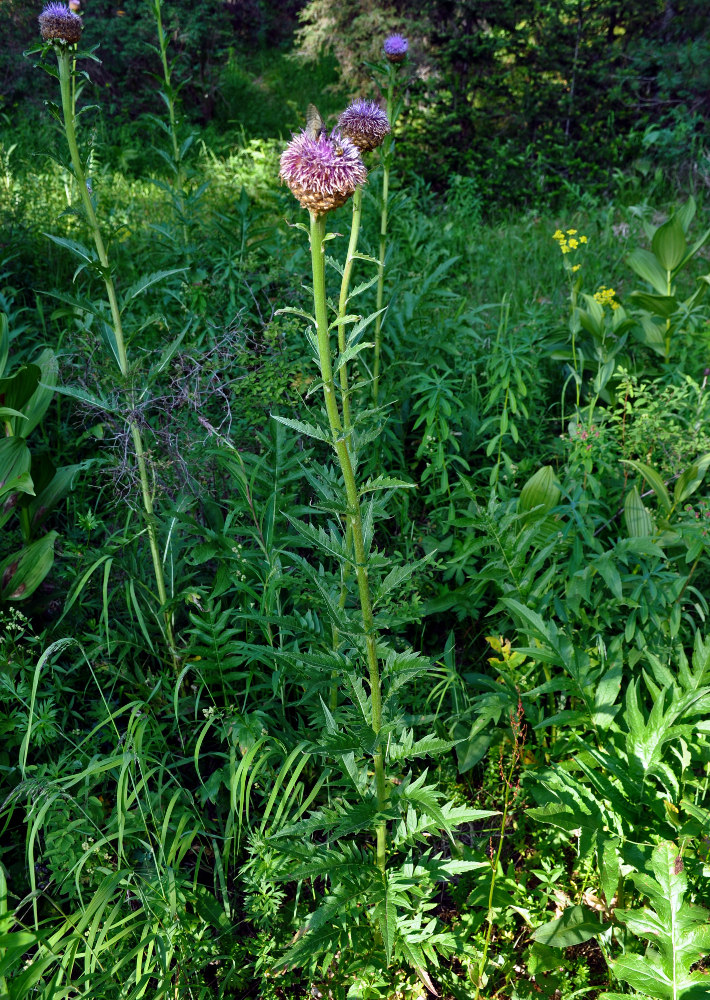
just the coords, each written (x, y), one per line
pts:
(396, 48)
(365, 124)
(322, 172)
(59, 24)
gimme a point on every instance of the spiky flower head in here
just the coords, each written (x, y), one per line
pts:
(322, 172)
(365, 124)
(396, 48)
(59, 24)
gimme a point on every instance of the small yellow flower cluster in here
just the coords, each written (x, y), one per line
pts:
(569, 241)
(606, 297)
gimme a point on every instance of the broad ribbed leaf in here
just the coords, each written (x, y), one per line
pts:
(540, 491)
(15, 462)
(660, 305)
(637, 519)
(654, 480)
(669, 243)
(23, 571)
(647, 266)
(689, 481)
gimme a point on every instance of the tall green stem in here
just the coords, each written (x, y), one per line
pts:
(342, 447)
(386, 161)
(65, 81)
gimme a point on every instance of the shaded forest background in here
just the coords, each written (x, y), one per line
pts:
(526, 96)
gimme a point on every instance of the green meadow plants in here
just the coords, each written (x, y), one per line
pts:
(436, 722)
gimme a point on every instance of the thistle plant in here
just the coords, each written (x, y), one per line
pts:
(395, 49)
(61, 29)
(323, 176)
(364, 887)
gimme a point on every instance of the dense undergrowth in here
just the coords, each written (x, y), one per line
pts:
(191, 788)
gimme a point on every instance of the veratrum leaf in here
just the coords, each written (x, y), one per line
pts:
(669, 243)
(637, 519)
(647, 266)
(541, 492)
(654, 480)
(678, 931)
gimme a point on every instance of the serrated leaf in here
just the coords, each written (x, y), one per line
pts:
(678, 932)
(308, 430)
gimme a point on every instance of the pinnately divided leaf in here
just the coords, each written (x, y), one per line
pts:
(678, 932)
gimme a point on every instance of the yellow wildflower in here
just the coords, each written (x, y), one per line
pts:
(606, 297)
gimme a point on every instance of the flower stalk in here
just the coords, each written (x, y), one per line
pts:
(64, 60)
(386, 163)
(342, 447)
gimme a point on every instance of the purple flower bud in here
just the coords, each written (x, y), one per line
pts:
(365, 124)
(322, 172)
(396, 48)
(59, 24)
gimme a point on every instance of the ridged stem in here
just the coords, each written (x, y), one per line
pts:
(341, 446)
(65, 75)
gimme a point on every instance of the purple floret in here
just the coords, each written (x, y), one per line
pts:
(365, 124)
(322, 172)
(59, 24)
(396, 48)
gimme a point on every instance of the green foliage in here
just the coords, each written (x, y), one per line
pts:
(533, 490)
(677, 931)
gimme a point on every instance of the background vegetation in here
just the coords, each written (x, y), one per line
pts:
(198, 821)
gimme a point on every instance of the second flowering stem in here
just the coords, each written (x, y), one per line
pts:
(64, 60)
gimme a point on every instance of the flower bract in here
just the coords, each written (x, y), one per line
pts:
(365, 124)
(59, 24)
(322, 172)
